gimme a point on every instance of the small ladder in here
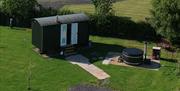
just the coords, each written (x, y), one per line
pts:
(69, 50)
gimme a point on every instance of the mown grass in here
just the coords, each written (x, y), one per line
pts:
(130, 79)
(137, 10)
(47, 74)
(57, 74)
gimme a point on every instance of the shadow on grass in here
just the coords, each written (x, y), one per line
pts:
(99, 50)
(48, 55)
(152, 65)
(169, 60)
(18, 28)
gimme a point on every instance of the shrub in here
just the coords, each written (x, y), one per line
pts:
(21, 10)
(3, 17)
(121, 27)
(44, 12)
(100, 25)
(104, 23)
(166, 18)
(103, 7)
(65, 12)
(101, 21)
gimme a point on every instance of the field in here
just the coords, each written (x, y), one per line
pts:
(60, 3)
(137, 10)
(56, 74)
(17, 58)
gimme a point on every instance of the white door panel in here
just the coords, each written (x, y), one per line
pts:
(74, 33)
(63, 40)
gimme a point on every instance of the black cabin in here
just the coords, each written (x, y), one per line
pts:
(55, 34)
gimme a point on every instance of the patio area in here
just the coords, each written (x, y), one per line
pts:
(113, 58)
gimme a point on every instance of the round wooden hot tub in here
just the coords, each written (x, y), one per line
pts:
(132, 56)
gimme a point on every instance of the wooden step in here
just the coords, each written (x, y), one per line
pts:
(69, 46)
(70, 54)
(70, 50)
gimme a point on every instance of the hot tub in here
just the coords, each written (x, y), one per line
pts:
(132, 56)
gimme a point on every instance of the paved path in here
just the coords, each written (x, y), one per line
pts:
(84, 63)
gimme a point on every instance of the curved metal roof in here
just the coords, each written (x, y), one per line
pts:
(53, 20)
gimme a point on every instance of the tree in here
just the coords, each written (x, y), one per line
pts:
(103, 12)
(0, 5)
(103, 7)
(20, 9)
(95, 2)
(166, 18)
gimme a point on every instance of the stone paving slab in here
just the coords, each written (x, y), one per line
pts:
(84, 63)
(106, 61)
(109, 57)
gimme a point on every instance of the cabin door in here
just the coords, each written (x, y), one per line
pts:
(74, 33)
(63, 37)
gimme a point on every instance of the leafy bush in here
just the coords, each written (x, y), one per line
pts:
(121, 27)
(44, 12)
(99, 25)
(104, 23)
(166, 18)
(21, 10)
(103, 7)
(101, 21)
(3, 17)
(65, 11)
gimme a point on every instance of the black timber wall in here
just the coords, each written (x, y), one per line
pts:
(51, 39)
(37, 35)
(83, 34)
(47, 38)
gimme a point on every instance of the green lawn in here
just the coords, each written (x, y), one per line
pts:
(58, 74)
(47, 74)
(137, 10)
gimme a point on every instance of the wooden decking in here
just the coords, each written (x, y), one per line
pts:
(84, 63)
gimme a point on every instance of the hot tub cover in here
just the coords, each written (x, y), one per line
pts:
(134, 52)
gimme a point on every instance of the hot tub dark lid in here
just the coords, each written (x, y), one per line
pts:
(132, 52)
